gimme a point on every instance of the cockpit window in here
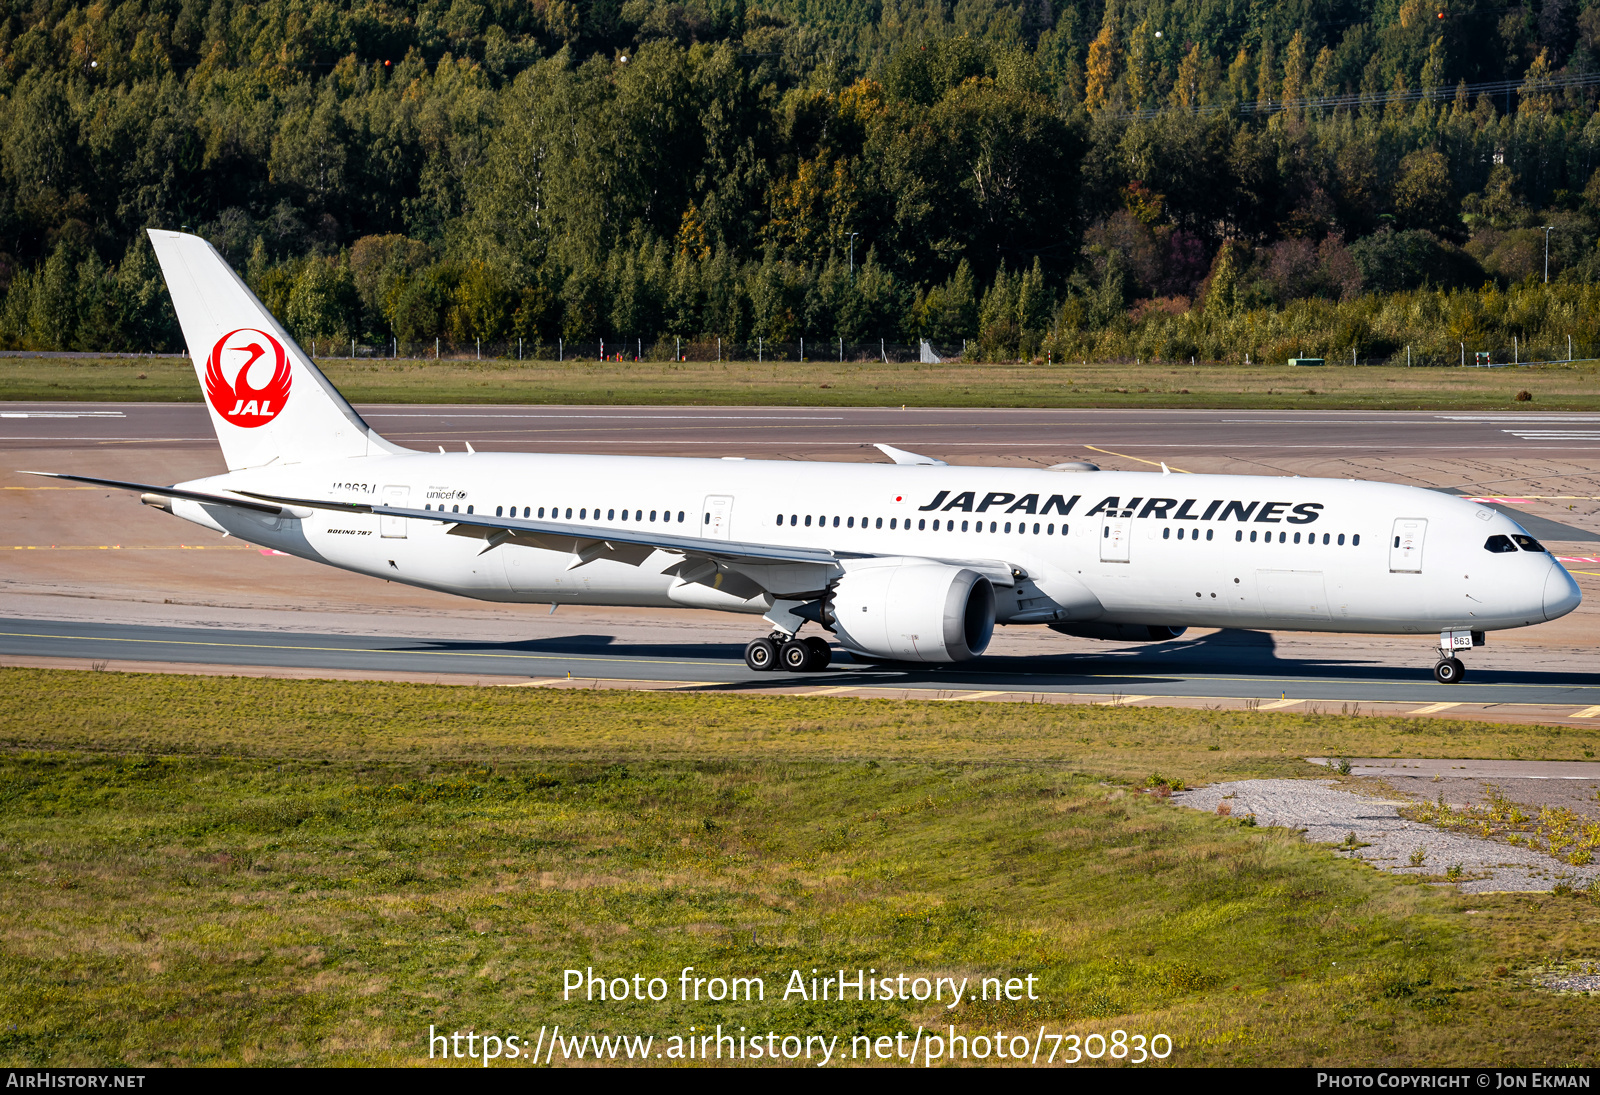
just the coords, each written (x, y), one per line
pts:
(1528, 543)
(1499, 545)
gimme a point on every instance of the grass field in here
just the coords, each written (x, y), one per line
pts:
(209, 870)
(1564, 387)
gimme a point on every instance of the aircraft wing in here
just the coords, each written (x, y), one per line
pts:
(587, 542)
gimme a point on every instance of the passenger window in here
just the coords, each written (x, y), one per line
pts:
(680, 517)
(921, 524)
(498, 511)
(611, 515)
(1166, 534)
(1283, 537)
(1297, 537)
(891, 522)
(1355, 541)
(1500, 545)
(794, 519)
(936, 526)
(780, 518)
(1324, 537)
(1341, 539)
(1050, 529)
(569, 513)
(992, 526)
(469, 509)
(1208, 534)
(835, 522)
(880, 522)
(1036, 528)
(455, 509)
(1526, 543)
(963, 526)
(1238, 534)
(808, 520)
(1252, 536)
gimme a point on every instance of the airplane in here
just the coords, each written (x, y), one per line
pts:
(914, 561)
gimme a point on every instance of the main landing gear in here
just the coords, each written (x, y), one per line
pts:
(1449, 671)
(808, 655)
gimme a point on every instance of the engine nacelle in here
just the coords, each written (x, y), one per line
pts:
(1120, 633)
(914, 612)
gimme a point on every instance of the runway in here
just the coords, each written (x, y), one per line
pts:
(89, 576)
(951, 432)
(1236, 665)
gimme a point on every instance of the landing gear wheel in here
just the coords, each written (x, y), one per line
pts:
(796, 656)
(761, 654)
(1449, 671)
(821, 653)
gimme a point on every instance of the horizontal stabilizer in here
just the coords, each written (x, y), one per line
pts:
(166, 492)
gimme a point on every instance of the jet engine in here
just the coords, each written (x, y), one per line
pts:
(914, 612)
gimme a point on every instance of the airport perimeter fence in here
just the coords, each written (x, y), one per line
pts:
(642, 349)
(835, 350)
(1467, 355)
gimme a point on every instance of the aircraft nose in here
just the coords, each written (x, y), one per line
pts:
(1561, 593)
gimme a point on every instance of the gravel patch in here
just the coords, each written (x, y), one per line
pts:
(1327, 814)
(1573, 977)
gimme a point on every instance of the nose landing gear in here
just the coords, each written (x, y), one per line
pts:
(1449, 670)
(809, 655)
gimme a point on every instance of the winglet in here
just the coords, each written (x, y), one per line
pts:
(901, 456)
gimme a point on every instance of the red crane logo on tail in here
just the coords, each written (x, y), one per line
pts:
(236, 355)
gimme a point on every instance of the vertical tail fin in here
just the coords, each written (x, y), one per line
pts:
(268, 402)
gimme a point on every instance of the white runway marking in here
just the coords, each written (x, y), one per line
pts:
(62, 414)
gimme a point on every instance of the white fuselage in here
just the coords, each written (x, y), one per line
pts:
(1130, 547)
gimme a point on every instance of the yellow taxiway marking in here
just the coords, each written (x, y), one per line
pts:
(1591, 573)
(835, 690)
(972, 695)
(1122, 701)
(539, 683)
(1432, 707)
(1275, 704)
(1140, 459)
(1586, 713)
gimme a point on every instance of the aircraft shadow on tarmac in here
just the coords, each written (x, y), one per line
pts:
(1222, 653)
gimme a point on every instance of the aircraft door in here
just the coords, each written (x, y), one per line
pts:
(394, 528)
(1405, 546)
(1115, 532)
(718, 520)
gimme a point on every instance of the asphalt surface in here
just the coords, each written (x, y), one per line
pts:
(1232, 664)
(946, 432)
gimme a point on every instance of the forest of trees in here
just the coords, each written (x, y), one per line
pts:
(1157, 178)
